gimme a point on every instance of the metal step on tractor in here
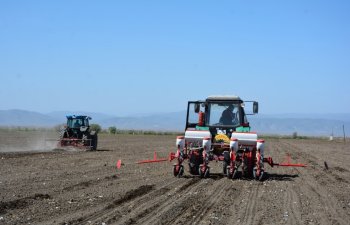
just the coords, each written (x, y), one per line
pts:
(77, 133)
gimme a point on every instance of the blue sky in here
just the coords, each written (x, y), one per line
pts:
(126, 57)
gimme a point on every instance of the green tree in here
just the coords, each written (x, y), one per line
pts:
(112, 130)
(295, 135)
(96, 127)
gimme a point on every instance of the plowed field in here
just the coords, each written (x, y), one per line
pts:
(79, 187)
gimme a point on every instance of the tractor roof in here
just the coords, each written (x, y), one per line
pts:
(78, 117)
(224, 98)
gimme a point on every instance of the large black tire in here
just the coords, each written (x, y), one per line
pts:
(94, 142)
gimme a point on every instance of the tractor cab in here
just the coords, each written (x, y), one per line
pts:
(77, 125)
(219, 114)
(77, 121)
(77, 133)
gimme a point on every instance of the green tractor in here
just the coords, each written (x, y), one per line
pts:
(77, 133)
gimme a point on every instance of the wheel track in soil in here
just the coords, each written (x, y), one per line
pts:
(292, 203)
(21, 202)
(250, 209)
(82, 185)
(215, 198)
(145, 213)
(185, 206)
(114, 211)
(313, 185)
(316, 167)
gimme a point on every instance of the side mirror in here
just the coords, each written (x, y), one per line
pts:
(255, 107)
(196, 108)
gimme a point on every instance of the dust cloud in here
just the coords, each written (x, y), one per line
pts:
(28, 141)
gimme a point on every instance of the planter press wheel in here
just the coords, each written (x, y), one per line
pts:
(258, 176)
(235, 174)
(225, 170)
(194, 165)
(178, 170)
(193, 169)
(205, 173)
(232, 173)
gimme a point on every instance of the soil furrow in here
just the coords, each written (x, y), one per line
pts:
(162, 205)
(85, 187)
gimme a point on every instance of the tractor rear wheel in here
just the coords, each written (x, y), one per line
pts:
(94, 142)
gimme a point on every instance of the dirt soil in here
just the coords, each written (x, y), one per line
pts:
(79, 187)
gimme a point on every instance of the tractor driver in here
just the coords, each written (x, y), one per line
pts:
(228, 117)
(77, 123)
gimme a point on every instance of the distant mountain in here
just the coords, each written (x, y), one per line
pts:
(308, 127)
(328, 116)
(96, 117)
(303, 124)
(166, 121)
(17, 117)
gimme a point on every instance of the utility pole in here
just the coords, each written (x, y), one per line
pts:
(331, 137)
(344, 132)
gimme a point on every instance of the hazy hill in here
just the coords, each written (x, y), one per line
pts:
(17, 117)
(61, 115)
(303, 124)
(165, 121)
(328, 116)
(313, 127)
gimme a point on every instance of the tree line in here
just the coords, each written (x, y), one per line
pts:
(96, 127)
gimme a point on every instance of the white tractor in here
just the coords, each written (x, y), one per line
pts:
(218, 129)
